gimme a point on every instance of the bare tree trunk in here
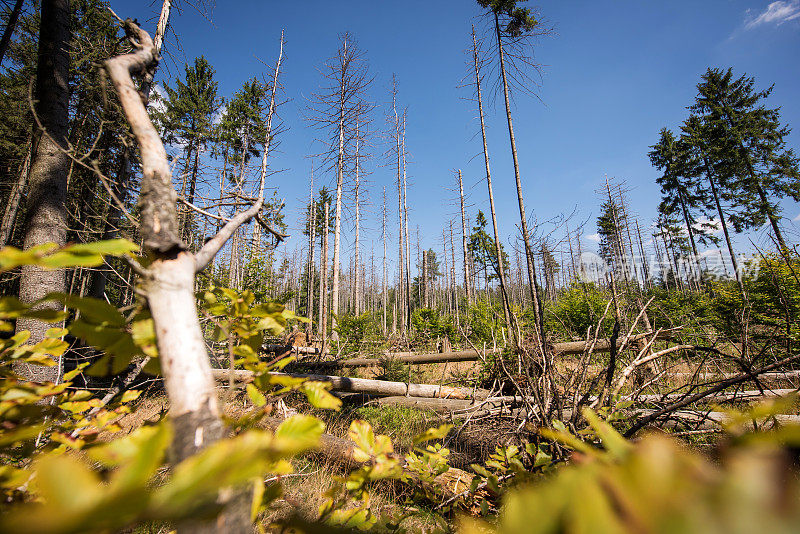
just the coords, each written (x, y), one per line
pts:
(14, 198)
(691, 237)
(357, 259)
(46, 219)
(323, 280)
(498, 250)
(399, 294)
(312, 223)
(168, 284)
(467, 285)
(9, 31)
(384, 289)
(115, 214)
(337, 223)
(453, 276)
(721, 214)
(405, 217)
(537, 306)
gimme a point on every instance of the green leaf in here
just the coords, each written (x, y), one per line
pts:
(319, 397)
(256, 397)
(298, 433)
(433, 433)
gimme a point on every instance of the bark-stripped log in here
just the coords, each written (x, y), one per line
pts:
(362, 385)
(603, 345)
(561, 349)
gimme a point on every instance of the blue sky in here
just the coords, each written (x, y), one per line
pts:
(613, 74)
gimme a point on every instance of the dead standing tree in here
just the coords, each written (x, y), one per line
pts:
(515, 31)
(476, 64)
(337, 110)
(168, 281)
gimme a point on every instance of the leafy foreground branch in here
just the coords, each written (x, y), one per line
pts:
(58, 476)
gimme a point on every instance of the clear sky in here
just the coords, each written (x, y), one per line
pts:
(613, 74)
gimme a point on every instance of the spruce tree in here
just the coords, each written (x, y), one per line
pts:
(188, 115)
(748, 139)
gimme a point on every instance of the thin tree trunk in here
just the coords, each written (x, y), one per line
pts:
(357, 259)
(405, 217)
(384, 290)
(537, 306)
(312, 223)
(323, 294)
(9, 31)
(467, 285)
(399, 297)
(337, 224)
(721, 214)
(46, 219)
(498, 250)
(14, 198)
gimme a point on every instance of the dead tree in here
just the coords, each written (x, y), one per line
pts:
(464, 248)
(515, 32)
(397, 149)
(476, 62)
(384, 290)
(168, 281)
(312, 226)
(336, 111)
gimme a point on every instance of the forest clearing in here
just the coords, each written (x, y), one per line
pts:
(204, 328)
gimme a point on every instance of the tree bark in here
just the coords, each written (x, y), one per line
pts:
(46, 219)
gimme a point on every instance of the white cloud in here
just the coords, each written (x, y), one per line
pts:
(592, 237)
(797, 218)
(776, 13)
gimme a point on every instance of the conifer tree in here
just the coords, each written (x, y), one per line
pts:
(188, 115)
(748, 137)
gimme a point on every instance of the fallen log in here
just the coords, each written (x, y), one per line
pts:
(404, 357)
(733, 396)
(451, 483)
(290, 348)
(571, 347)
(786, 375)
(363, 385)
(604, 345)
(447, 406)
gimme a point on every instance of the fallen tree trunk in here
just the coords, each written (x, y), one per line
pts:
(787, 375)
(362, 385)
(447, 406)
(436, 357)
(274, 348)
(749, 395)
(571, 347)
(604, 345)
(451, 483)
